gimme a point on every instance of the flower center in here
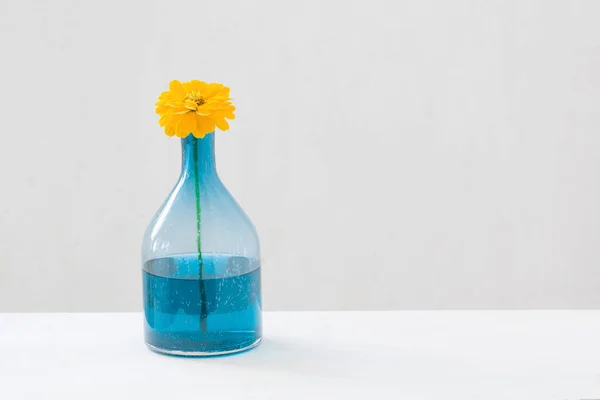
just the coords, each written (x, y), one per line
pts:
(195, 97)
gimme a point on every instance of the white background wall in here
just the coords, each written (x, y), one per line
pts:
(392, 154)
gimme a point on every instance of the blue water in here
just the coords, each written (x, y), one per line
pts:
(220, 312)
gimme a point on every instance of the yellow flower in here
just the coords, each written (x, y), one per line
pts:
(194, 107)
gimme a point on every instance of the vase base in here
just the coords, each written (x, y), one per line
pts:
(182, 353)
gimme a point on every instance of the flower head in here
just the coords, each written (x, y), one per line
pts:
(194, 107)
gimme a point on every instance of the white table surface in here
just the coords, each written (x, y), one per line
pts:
(313, 355)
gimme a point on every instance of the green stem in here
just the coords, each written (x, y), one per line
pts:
(203, 313)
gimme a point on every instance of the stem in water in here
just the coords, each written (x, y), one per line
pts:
(203, 311)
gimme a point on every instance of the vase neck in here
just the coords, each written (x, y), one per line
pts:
(198, 156)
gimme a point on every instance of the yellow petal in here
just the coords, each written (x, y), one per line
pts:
(176, 89)
(197, 86)
(223, 114)
(177, 129)
(190, 105)
(211, 90)
(188, 123)
(203, 111)
(180, 110)
(204, 125)
(165, 119)
(222, 124)
(170, 130)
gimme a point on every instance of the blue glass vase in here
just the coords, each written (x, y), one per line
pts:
(201, 265)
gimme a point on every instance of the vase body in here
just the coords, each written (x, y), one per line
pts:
(201, 265)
